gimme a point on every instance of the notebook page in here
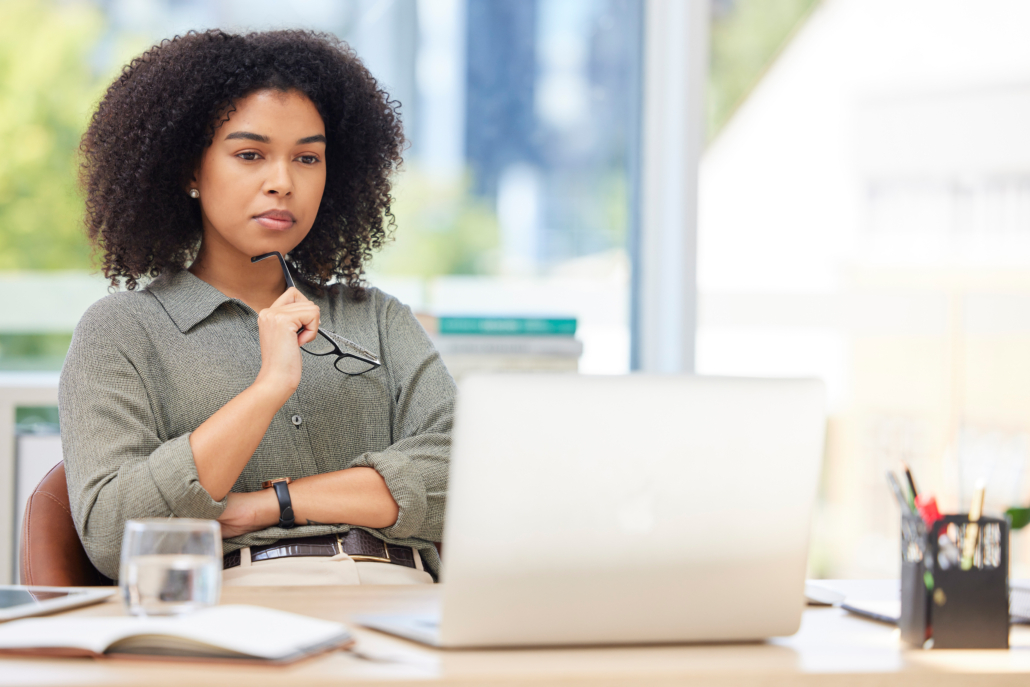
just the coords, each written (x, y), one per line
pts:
(225, 630)
(90, 634)
(244, 630)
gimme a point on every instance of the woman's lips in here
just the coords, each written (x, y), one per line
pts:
(276, 220)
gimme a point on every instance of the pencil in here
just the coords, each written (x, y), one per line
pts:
(899, 494)
(973, 529)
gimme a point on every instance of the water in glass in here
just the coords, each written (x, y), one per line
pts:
(170, 566)
(164, 584)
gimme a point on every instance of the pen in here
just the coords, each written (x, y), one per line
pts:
(899, 493)
(911, 482)
(973, 529)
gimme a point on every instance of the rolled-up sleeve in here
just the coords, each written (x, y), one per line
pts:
(118, 467)
(415, 466)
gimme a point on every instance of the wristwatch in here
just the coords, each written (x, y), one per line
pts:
(282, 492)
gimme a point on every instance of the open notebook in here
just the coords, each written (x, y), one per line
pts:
(245, 633)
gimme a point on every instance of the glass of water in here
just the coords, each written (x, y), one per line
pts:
(170, 565)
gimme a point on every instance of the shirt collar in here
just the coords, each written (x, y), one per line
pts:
(186, 298)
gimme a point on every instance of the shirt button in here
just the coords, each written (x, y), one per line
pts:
(296, 419)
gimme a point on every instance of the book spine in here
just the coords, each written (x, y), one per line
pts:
(462, 365)
(507, 326)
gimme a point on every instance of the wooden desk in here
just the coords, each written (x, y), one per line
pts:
(832, 648)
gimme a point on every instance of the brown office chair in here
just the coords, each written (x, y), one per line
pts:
(51, 553)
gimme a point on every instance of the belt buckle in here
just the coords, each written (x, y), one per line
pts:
(365, 558)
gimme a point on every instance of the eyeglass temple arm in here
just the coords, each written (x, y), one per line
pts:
(282, 263)
(289, 284)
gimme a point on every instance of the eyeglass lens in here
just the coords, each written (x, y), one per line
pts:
(352, 359)
(349, 365)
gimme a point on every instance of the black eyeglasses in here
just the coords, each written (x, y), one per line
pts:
(351, 359)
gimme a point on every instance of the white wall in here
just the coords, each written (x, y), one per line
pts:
(35, 455)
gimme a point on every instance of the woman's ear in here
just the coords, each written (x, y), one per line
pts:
(190, 186)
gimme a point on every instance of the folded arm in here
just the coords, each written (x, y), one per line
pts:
(118, 467)
(415, 466)
(400, 490)
(357, 496)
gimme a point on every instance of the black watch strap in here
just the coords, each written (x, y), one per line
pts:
(282, 492)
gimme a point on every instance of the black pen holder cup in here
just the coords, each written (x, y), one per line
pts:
(944, 606)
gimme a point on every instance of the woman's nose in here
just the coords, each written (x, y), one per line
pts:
(280, 181)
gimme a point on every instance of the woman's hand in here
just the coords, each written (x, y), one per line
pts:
(248, 512)
(288, 324)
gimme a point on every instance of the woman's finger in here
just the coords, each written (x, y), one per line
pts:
(306, 318)
(304, 315)
(290, 295)
(300, 316)
(307, 336)
(307, 306)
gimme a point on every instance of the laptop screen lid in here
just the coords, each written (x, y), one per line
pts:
(623, 509)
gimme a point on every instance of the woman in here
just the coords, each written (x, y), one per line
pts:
(191, 396)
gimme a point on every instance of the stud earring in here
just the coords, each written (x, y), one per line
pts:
(194, 193)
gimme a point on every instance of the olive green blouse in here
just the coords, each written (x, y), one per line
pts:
(146, 368)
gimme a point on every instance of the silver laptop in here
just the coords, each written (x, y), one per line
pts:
(632, 509)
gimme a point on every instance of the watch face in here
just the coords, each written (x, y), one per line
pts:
(268, 483)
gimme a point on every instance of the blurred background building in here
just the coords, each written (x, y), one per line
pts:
(864, 205)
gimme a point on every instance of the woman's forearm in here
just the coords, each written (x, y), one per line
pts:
(224, 443)
(356, 496)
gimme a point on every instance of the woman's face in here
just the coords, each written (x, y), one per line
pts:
(262, 177)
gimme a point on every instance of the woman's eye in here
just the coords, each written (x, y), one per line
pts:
(249, 157)
(308, 159)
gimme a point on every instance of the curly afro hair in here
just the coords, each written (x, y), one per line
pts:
(156, 119)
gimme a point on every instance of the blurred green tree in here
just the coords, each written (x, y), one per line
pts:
(441, 229)
(47, 89)
(747, 36)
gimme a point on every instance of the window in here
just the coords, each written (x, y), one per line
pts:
(864, 219)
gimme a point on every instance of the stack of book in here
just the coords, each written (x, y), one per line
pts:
(505, 344)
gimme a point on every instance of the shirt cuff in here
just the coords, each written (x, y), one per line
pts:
(405, 484)
(175, 475)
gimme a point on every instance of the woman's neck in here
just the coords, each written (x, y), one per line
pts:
(257, 284)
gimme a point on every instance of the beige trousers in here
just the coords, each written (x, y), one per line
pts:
(299, 571)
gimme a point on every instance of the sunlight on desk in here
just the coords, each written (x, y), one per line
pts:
(832, 647)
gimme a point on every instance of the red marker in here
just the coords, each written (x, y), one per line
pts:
(926, 506)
